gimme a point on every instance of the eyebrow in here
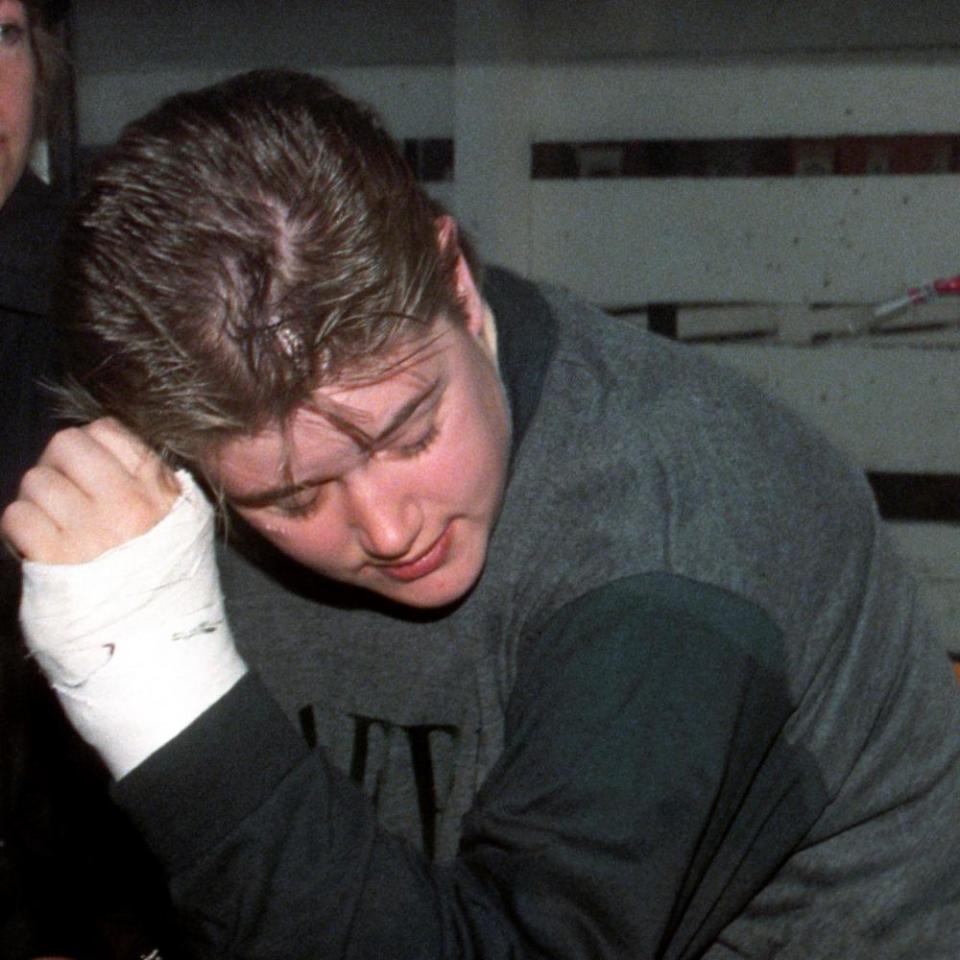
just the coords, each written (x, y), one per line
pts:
(366, 442)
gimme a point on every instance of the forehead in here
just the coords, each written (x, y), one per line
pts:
(10, 8)
(345, 420)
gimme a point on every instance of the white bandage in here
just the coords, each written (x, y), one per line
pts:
(135, 643)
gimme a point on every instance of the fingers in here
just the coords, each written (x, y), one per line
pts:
(128, 449)
(30, 531)
(106, 453)
(81, 460)
(140, 461)
(94, 488)
(60, 496)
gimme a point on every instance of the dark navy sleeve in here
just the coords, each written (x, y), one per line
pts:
(644, 795)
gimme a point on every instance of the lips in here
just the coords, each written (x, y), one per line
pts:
(434, 557)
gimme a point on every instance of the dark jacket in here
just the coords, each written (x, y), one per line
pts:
(74, 878)
(30, 223)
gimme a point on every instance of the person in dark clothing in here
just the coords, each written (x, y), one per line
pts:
(30, 219)
(595, 651)
(63, 846)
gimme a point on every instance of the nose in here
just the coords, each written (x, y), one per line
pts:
(387, 519)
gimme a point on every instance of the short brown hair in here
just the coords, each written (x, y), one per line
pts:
(239, 247)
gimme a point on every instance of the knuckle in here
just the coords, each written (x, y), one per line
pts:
(8, 519)
(16, 528)
(103, 428)
(34, 481)
(64, 439)
(68, 449)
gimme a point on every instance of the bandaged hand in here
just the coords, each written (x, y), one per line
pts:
(121, 599)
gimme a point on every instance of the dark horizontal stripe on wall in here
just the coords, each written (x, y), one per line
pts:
(913, 154)
(917, 496)
(662, 319)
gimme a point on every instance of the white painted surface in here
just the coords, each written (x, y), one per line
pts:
(935, 324)
(943, 600)
(932, 550)
(755, 97)
(492, 187)
(414, 101)
(778, 240)
(747, 97)
(790, 240)
(890, 409)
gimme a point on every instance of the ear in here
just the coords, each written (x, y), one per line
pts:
(467, 291)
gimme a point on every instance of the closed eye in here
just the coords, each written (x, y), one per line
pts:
(409, 450)
(300, 504)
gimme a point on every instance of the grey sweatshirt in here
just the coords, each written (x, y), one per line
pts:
(692, 708)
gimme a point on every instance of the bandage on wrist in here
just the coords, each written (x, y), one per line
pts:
(136, 643)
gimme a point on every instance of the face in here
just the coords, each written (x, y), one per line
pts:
(394, 485)
(17, 88)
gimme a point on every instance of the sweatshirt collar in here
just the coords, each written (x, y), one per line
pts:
(527, 338)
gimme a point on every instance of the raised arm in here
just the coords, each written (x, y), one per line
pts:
(121, 601)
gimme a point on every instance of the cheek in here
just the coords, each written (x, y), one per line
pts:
(18, 97)
(316, 541)
(485, 438)
(26, 125)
